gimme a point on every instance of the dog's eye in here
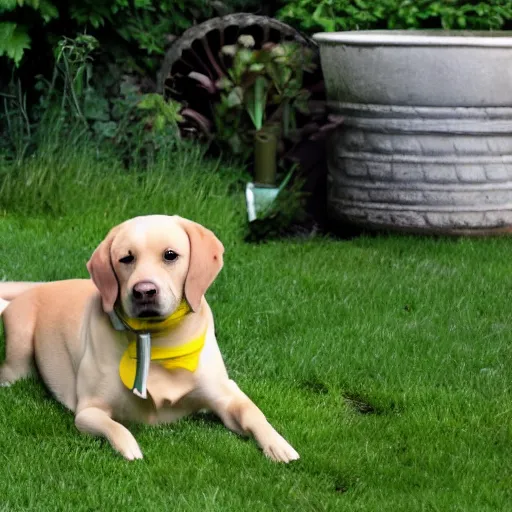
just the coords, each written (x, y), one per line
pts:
(170, 255)
(127, 259)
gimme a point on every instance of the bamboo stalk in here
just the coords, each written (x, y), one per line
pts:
(265, 151)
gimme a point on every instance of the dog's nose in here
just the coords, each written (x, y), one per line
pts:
(145, 290)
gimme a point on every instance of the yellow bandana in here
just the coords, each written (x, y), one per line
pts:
(184, 356)
(155, 325)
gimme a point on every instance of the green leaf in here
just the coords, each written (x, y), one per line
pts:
(142, 4)
(236, 143)
(14, 40)
(128, 90)
(256, 99)
(235, 97)
(256, 67)
(105, 129)
(48, 10)
(224, 83)
(96, 108)
(172, 111)
(159, 123)
(8, 5)
(149, 101)
(6, 32)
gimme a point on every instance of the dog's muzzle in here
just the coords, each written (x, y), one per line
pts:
(145, 300)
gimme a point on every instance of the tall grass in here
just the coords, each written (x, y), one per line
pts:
(72, 176)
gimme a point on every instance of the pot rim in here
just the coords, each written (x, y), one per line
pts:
(432, 37)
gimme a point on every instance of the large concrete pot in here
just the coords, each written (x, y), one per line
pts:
(426, 145)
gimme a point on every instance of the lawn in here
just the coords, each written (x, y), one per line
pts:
(385, 360)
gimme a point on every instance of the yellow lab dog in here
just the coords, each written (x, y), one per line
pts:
(149, 274)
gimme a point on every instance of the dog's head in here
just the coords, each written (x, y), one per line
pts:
(151, 263)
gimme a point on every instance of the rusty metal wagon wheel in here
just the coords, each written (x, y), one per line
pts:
(198, 50)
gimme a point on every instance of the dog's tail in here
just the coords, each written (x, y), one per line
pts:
(9, 290)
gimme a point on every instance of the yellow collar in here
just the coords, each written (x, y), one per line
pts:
(184, 356)
(154, 325)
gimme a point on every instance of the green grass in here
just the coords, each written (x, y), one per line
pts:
(385, 361)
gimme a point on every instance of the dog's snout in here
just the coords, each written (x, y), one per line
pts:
(145, 291)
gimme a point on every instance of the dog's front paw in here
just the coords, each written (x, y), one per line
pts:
(123, 441)
(278, 449)
(8, 376)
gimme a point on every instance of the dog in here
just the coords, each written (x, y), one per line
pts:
(151, 273)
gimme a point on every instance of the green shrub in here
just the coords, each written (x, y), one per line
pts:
(263, 88)
(134, 125)
(145, 24)
(91, 61)
(339, 15)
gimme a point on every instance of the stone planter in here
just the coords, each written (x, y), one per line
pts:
(426, 143)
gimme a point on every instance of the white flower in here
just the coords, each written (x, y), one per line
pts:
(229, 49)
(247, 41)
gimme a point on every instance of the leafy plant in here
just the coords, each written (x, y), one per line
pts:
(136, 125)
(73, 68)
(47, 70)
(261, 86)
(16, 119)
(62, 96)
(338, 15)
(147, 24)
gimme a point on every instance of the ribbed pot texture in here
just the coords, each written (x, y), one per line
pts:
(426, 143)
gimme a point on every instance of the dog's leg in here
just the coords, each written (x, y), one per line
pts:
(95, 421)
(19, 321)
(242, 416)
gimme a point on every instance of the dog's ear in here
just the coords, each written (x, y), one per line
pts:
(102, 273)
(206, 252)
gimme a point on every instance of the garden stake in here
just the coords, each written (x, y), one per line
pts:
(259, 198)
(261, 194)
(143, 360)
(139, 387)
